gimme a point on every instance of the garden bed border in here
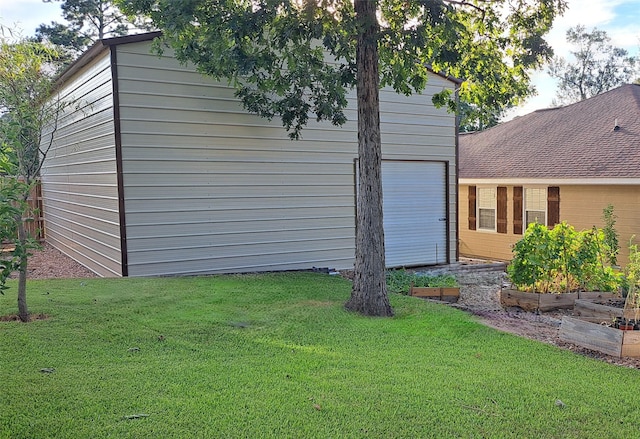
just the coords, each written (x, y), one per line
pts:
(601, 338)
(447, 294)
(547, 301)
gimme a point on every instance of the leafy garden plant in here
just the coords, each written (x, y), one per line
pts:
(10, 197)
(16, 242)
(632, 281)
(562, 260)
(610, 234)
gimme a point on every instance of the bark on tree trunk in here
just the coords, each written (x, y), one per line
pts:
(23, 311)
(369, 293)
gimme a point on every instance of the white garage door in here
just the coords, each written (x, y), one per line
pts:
(414, 209)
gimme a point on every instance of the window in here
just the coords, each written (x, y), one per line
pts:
(535, 205)
(487, 208)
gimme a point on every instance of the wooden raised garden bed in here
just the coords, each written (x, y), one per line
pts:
(546, 301)
(447, 294)
(601, 338)
(602, 310)
(537, 301)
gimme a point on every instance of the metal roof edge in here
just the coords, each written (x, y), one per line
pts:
(453, 79)
(135, 38)
(97, 49)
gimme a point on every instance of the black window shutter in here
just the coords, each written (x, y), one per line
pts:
(517, 210)
(553, 206)
(501, 207)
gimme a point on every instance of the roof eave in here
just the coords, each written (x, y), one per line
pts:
(553, 181)
(92, 53)
(97, 49)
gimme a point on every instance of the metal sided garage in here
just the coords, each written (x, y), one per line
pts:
(159, 170)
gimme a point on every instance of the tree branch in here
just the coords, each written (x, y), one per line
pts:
(469, 4)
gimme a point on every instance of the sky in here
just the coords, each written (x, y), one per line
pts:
(619, 18)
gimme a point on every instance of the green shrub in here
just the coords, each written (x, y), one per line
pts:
(632, 280)
(399, 281)
(610, 234)
(593, 256)
(562, 260)
(530, 267)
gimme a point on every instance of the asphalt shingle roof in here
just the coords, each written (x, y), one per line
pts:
(575, 141)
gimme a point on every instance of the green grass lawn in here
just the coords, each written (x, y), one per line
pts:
(276, 356)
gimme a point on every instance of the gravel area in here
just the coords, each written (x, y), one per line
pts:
(49, 263)
(479, 294)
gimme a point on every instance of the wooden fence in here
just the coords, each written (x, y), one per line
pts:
(35, 223)
(35, 228)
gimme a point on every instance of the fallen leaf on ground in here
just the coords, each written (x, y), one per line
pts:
(136, 416)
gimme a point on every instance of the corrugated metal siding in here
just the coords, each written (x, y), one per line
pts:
(414, 213)
(209, 188)
(79, 174)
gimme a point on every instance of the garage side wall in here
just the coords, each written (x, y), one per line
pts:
(79, 173)
(209, 188)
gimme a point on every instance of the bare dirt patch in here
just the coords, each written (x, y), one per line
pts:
(15, 318)
(50, 263)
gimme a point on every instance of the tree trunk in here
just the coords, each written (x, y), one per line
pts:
(369, 293)
(23, 311)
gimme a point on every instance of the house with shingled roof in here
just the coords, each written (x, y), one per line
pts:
(558, 164)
